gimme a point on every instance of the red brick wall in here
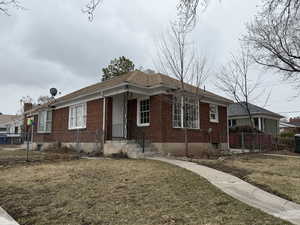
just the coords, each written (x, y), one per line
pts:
(159, 131)
(195, 135)
(154, 132)
(161, 127)
(61, 133)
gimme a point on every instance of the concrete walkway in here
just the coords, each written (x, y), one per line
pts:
(5, 219)
(243, 191)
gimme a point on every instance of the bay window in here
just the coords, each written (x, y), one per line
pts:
(44, 121)
(77, 116)
(186, 113)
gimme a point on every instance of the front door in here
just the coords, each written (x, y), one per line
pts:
(119, 109)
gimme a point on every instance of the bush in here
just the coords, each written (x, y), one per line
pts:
(209, 153)
(245, 129)
(287, 134)
(120, 155)
(58, 148)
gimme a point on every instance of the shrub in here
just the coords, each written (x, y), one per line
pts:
(209, 153)
(288, 134)
(245, 129)
(120, 155)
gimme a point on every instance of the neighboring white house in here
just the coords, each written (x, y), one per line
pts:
(10, 128)
(263, 119)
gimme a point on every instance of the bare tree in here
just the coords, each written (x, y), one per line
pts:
(43, 100)
(6, 5)
(274, 37)
(177, 57)
(90, 8)
(186, 8)
(234, 80)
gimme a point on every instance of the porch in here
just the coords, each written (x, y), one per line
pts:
(128, 116)
(127, 120)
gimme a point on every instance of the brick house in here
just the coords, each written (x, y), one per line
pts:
(130, 106)
(293, 126)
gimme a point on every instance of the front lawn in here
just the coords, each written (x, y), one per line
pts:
(14, 158)
(118, 192)
(277, 175)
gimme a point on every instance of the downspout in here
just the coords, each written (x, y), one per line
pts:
(103, 123)
(104, 120)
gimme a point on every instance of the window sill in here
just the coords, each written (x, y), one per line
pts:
(144, 125)
(182, 128)
(44, 132)
(214, 121)
(77, 128)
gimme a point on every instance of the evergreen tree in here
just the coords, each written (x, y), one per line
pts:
(117, 67)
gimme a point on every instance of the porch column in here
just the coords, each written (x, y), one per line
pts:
(104, 119)
(125, 120)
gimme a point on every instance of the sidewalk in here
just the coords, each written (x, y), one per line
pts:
(243, 191)
(5, 219)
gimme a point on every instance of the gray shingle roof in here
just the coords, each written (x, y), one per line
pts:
(142, 79)
(138, 78)
(238, 110)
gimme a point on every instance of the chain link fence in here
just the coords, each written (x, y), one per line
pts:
(260, 142)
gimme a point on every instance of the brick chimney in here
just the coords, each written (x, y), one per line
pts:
(27, 106)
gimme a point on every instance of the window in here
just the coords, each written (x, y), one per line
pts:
(185, 113)
(143, 112)
(232, 123)
(45, 122)
(213, 113)
(177, 113)
(77, 116)
(3, 129)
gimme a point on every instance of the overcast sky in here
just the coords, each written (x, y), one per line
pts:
(54, 45)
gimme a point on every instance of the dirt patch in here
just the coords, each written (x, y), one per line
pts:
(10, 159)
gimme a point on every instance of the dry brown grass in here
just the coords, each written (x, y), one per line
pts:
(278, 175)
(118, 192)
(14, 158)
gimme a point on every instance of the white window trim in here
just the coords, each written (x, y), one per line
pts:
(182, 117)
(139, 112)
(217, 113)
(84, 104)
(45, 131)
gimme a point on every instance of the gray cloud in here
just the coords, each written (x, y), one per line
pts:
(53, 44)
